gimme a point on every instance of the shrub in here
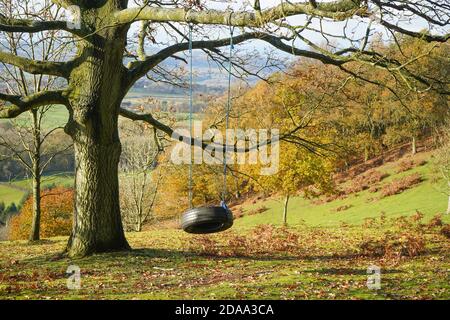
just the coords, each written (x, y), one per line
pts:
(340, 195)
(267, 238)
(56, 215)
(445, 231)
(258, 210)
(369, 222)
(11, 209)
(394, 245)
(405, 166)
(343, 208)
(436, 221)
(399, 185)
(238, 213)
(263, 239)
(365, 181)
(409, 164)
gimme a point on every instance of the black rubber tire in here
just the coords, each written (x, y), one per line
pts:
(205, 220)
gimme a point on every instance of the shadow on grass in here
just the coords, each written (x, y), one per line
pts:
(263, 256)
(348, 271)
(180, 256)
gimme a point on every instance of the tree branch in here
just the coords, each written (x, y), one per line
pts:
(58, 69)
(19, 104)
(139, 69)
(336, 10)
(33, 26)
(421, 35)
(288, 136)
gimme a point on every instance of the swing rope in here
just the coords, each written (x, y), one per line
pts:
(227, 119)
(191, 112)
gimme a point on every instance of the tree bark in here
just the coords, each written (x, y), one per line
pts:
(97, 225)
(98, 90)
(285, 210)
(413, 146)
(36, 163)
(448, 206)
(366, 154)
(36, 223)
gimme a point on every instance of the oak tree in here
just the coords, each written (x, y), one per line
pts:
(104, 67)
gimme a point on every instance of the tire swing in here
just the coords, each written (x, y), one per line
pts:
(204, 220)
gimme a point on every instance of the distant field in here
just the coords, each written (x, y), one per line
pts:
(14, 191)
(9, 195)
(143, 92)
(58, 114)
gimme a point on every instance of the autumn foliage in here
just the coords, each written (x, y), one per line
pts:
(56, 215)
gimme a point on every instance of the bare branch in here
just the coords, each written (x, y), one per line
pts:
(58, 69)
(336, 10)
(21, 104)
(139, 68)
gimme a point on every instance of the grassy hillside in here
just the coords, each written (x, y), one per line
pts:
(425, 197)
(9, 194)
(321, 258)
(55, 117)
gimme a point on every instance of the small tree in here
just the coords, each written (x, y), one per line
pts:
(24, 141)
(299, 170)
(56, 215)
(140, 181)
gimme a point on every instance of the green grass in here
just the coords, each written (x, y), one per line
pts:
(9, 195)
(163, 265)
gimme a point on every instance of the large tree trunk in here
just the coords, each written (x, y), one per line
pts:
(36, 163)
(93, 125)
(97, 220)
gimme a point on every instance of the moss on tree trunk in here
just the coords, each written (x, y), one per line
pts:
(97, 92)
